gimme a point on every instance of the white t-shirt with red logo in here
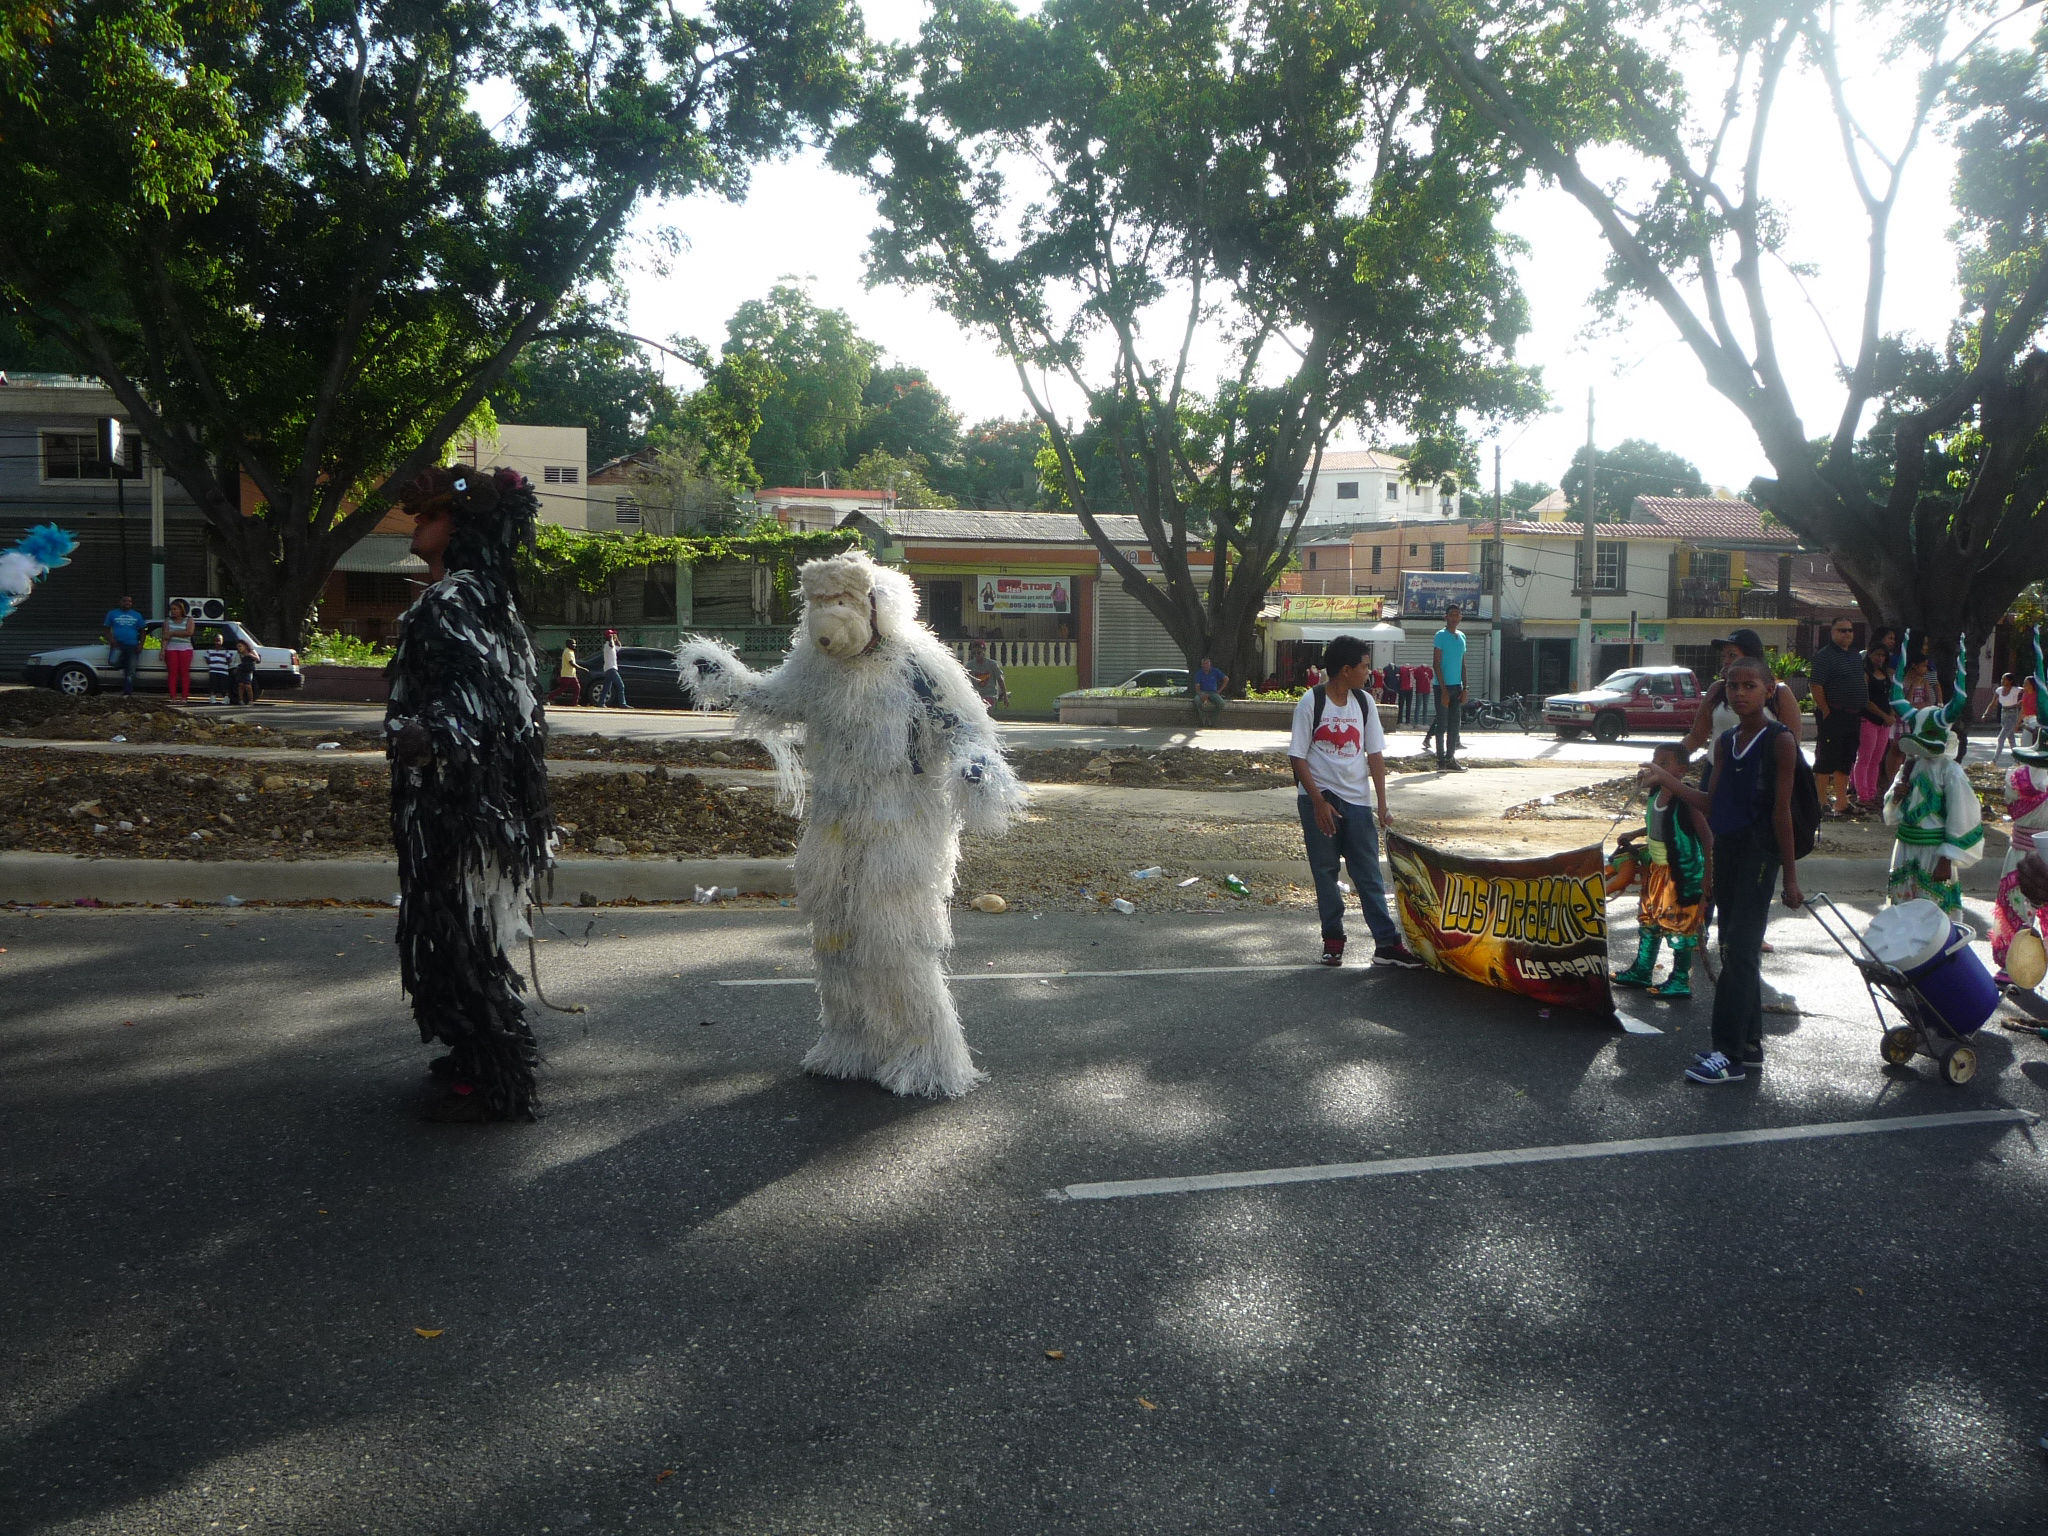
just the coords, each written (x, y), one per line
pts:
(1349, 734)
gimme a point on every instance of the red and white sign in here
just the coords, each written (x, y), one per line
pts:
(1024, 594)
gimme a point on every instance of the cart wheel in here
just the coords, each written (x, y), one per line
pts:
(1898, 1045)
(1959, 1065)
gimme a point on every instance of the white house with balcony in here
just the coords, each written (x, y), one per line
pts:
(1365, 485)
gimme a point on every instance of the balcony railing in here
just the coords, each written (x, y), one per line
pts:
(1023, 653)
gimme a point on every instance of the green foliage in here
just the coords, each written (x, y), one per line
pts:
(602, 383)
(819, 366)
(286, 238)
(1521, 495)
(1788, 664)
(903, 476)
(997, 465)
(591, 560)
(904, 414)
(1270, 185)
(1929, 488)
(1629, 469)
(337, 649)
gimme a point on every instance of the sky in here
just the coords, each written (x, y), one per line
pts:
(802, 220)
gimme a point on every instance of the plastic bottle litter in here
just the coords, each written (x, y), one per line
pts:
(232, 901)
(1344, 886)
(1236, 886)
(1191, 879)
(706, 894)
(1123, 906)
(326, 746)
(1152, 872)
(989, 902)
(117, 738)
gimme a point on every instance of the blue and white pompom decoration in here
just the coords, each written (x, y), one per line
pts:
(41, 550)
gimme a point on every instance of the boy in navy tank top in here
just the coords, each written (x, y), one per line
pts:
(1750, 811)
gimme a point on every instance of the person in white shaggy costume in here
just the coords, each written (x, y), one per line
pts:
(902, 756)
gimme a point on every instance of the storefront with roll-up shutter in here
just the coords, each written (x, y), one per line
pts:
(67, 605)
(1128, 638)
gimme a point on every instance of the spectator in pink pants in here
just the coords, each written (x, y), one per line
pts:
(179, 627)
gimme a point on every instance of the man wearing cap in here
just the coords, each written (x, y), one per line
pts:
(1841, 687)
(611, 687)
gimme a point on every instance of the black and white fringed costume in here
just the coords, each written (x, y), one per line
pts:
(902, 756)
(467, 740)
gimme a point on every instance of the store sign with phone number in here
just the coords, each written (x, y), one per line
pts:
(1024, 594)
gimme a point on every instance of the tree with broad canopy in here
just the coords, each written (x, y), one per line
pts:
(303, 242)
(1930, 487)
(1124, 194)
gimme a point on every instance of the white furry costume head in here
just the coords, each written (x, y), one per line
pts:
(852, 604)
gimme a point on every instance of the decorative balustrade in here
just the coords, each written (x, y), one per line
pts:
(1023, 653)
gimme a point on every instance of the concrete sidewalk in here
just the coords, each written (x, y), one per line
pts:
(678, 725)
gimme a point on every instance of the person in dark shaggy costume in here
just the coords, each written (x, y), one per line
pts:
(467, 739)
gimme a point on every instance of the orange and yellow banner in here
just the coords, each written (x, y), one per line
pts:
(1534, 926)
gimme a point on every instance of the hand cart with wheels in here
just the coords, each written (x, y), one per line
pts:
(1925, 1031)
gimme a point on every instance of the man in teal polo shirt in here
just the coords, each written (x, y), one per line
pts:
(1450, 688)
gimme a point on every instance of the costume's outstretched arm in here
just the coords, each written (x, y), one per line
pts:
(766, 705)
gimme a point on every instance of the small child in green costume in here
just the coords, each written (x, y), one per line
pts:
(1672, 863)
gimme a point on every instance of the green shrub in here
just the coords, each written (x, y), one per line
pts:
(337, 649)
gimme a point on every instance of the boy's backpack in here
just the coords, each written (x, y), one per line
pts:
(1805, 799)
(1315, 718)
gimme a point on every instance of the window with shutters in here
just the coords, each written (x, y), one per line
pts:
(1376, 553)
(626, 511)
(1436, 557)
(1311, 559)
(561, 474)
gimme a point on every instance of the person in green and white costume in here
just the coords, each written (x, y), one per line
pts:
(1940, 826)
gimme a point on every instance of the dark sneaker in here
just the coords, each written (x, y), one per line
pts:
(1333, 951)
(1714, 1068)
(1399, 955)
(1749, 1063)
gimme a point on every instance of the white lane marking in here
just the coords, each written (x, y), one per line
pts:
(1124, 1189)
(1190, 970)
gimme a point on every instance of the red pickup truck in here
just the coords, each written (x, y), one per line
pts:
(1658, 699)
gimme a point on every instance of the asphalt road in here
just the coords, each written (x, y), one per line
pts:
(707, 1293)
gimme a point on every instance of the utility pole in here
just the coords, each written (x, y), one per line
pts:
(158, 555)
(1496, 645)
(1589, 554)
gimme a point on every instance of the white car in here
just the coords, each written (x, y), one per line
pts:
(79, 670)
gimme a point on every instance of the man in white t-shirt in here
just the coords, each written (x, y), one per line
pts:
(1339, 758)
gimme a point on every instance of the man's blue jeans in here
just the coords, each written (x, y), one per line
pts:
(612, 690)
(1357, 844)
(125, 657)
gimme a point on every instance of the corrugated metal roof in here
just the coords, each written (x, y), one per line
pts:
(996, 527)
(383, 552)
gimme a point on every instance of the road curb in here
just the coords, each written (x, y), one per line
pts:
(58, 877)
